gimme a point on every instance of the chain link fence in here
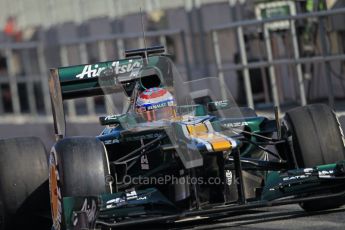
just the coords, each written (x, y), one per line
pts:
(24, 94)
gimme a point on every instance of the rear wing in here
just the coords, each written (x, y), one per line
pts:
(84, 81)
(81, 81)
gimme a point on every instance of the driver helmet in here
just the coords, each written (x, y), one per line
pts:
(156, 104)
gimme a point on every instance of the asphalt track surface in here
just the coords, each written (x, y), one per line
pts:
(280, 217)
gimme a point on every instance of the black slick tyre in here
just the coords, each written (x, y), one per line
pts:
(23, 184)
(78, 166)
(317, 139)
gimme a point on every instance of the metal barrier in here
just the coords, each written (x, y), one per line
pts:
(26, 84)
(24, 94)
(270, 63)
(16, 75)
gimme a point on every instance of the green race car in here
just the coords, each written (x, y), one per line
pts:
(173, 150)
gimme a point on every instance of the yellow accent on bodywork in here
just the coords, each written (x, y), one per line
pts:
(217, 141)
(220, 144)
(197, 129)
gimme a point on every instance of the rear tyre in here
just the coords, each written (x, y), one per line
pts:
(77, 167)
(317, 139)
(23, 184)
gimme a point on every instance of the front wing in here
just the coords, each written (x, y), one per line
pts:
(149, 205)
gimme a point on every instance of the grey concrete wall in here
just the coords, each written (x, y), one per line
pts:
(46, 131)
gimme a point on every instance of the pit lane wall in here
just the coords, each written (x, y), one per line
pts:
(45, 131)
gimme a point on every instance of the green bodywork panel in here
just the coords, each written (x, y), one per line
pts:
(251, 124)
(132, 118)
(90, 73)
(117, 205)
(135, 203)
(302, 181)
(126, 121)
(83, 78)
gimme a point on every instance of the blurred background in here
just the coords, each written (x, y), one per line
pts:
(268, 53)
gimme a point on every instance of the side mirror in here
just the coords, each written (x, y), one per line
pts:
(110, 120)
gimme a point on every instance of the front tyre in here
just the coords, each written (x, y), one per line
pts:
(77, 167)
(317, 139)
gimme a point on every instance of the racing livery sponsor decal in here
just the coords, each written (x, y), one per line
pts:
(55, 192)
(115, 203)
(130, 195)
(236, 124)
(160, 105)
(326, 173)
(297, 177)
(228, 177)
(142, 198)
(90, 71)
(112, 117)
(144, 162)
(222, 103)
(308, 170)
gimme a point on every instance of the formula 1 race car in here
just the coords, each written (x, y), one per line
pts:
(172, 150)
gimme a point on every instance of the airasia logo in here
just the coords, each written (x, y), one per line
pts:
(90, 71)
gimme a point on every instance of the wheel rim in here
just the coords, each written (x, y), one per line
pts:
(55, 192)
